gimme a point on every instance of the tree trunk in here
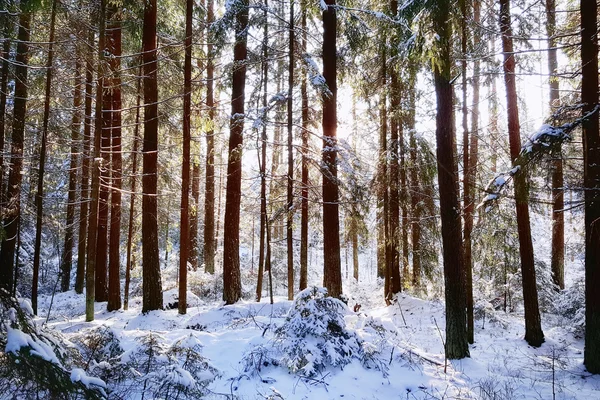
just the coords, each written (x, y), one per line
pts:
(394, 168)
(193, 256)
(305, 137)
(39, 198)
(591, 162)
(557, 261)
(332, 273)
(467, 176)
(152, 286)
(184, 227)
(114, 260)
(533, 327)
(415, 187)
(129, 263)
(85, 168)
(209, 190)
(232, 284)
(290, 149)
(262, 158)
(90, 273)
(5, 55)
(456, 328)
(12, 210)
(67, 258)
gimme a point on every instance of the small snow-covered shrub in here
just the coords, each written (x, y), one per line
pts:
(100, 351)
(36, 362)
(314, 334)
(570, 304)
(206, 286)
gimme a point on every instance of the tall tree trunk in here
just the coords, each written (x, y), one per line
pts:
(67, 258)
(456, 328)
(304, 149)
(5, 55)
(290, 149)
(152, 286)
(415, 187)
(90, 273)
(467, 172)
(129, 263)
(591, 162)
(382, 184)
(533, 327)
(262, 157)
(232, 284)
(184, 227)
(114, 257)
(394, 178)
(39, 198)
(332, 270)
(209, 189)
(470, 179)
(85, 168)
(557, 261)
(193, 255)
(12, 212)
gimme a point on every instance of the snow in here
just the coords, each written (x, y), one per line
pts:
(17, 340)
(79, 375)
(401, 351)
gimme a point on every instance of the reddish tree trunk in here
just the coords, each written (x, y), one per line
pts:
(114, 259)
(209, 189)
(152, 286)
(456, 328)
(591, 173)
(290, 149)
(12, 211)
(533, 327)
(184, 227)
(332, 270)
(232, 284)
(305, 176)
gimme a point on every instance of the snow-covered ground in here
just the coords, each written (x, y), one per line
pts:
(239, 343)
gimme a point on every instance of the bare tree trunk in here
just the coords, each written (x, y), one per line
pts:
(85, 168)
(262, 157)
(152, 286)
(332, 274)
(557, 261)
(305, 136)
(533, 327)
(114, 261)
(184, 228)
(129, 263)
(67, 258)
(467, 178)
(456, 345)
(39, 198)
(290, 149)
(232, 285)
(5, 55)
(591, 162)
(415, 187)
(209, 191)
(90, 273)
(193, 256)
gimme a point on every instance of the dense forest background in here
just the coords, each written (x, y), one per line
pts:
(252, 149)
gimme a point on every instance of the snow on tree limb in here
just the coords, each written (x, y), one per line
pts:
(545, 140)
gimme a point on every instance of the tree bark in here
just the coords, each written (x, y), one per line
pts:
(184, 227)
(90, 273)
(591, 162)
(3, 94)
(129, 263)
(232, 285)
(39, 198)
(533, 327)
(557, 262)
(85, 168)
(305, 137)
(456, 329)
(290, 149)
(332, 270)
(114, 257)
(415, 187)
(152, 286)
(209, 189)
(67, 259)
(12, 211)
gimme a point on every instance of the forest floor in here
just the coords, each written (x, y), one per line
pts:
(409, 364)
